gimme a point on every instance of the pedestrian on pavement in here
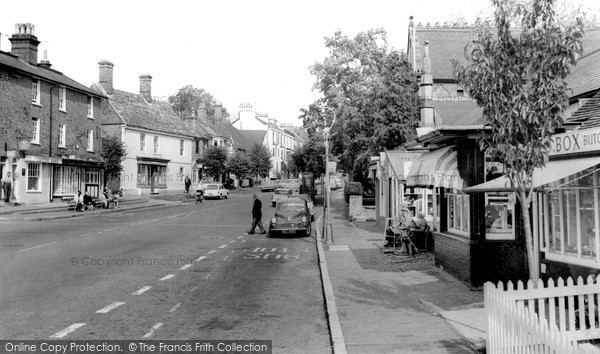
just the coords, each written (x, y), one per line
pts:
(188, 184)
(257, 216)
(115, 199)
(88, 201)
(7, 186)
(78, 199)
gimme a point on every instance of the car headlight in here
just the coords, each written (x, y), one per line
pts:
(303, 219)
(273, 220)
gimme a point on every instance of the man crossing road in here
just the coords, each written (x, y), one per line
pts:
(256, 216)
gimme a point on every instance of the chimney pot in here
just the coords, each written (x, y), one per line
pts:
(146, 86)
(105, 68)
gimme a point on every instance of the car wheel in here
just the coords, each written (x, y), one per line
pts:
(309, 230)
(220, 197)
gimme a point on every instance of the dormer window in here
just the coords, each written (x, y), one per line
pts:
(35, 92)
(90, 105)
(62, 99)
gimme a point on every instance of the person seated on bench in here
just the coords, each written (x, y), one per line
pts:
(88, 201)
(400, 228)
(78, 200)
(420, 228)
(114, 197)
(103, 199)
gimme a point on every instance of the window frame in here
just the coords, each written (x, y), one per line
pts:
(458, 205)
(35, 139)
(62, 99)
(90, 107)
(62, 136)
(143, 142)
(90, 140)
(156, 144)
(36, 92)
(38, 177)
(181, 147)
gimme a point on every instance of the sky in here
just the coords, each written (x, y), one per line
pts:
(256, 51)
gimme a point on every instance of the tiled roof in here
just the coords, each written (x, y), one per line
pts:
(585, 76)
(588, 115)
(457, 113)
(447, 43)
(155, 116)
(226, 130)
(12, 61)
(254, 136)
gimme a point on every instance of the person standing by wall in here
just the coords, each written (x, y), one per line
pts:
(7, 183)
(188, 184)
(256, 216)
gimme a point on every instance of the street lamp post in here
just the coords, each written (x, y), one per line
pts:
(327, 182)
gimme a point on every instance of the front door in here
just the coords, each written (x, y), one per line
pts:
(153, 178)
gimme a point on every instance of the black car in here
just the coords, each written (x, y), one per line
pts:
(292, 216)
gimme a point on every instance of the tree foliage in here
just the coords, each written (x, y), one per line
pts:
(239, 164)
(518, 77)
(113, 154)
(310, 157)
(260, 158)
(213, 160)
(371, 92)
(189, 99)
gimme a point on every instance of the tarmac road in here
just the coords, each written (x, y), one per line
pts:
(178, 272)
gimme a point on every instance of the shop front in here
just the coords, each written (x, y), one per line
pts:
(75, 175)
(151, 174)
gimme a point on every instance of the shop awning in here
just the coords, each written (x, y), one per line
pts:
(553, 171)
(152, 161)
(438, 168)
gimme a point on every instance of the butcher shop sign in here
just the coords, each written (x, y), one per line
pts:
(576, 141)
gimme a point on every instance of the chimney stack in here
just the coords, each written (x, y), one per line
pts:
(25, 43)
(45, 62)
(202, 112)
(146, 87)
(105, 76)
(427, 114)
(218, 115)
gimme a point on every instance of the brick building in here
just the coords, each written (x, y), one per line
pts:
(49, 136)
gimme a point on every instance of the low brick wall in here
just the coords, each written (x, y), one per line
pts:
(454, 255)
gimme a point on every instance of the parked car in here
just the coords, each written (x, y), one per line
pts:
(215, 190)
(268, 188)
(279, 194)
(309, 203)
(292, 216)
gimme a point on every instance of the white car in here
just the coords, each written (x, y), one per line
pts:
(215, 190)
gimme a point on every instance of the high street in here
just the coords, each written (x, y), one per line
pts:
(178, 272)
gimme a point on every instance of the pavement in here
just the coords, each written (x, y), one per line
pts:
(381, 301)
(58, 210)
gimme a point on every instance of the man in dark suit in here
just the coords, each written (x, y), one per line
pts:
(257, 216)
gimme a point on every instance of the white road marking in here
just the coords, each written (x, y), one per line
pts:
(213, 251)
(222, 246)
(224, 259)
(84, 235)
(277, 257)
(110, 307)
(142, 290)
(67, 330)
(185, 267)
(243, 241)
(200, 258)
(30, 248)
(240, 236)
(145, 221)
(175, 307)
(112, 228)
(339, 248)
(232, 251)
(192, 289)
(207, 276)
(154, 328)
(232, 241)
(167, 277)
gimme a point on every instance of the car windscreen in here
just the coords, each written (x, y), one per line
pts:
(212, 186)
(290, 207)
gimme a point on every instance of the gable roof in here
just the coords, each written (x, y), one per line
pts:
(156, 116)
(585, 76)
(457, 112)
(588, 115)
(253, 137)
(14, 62)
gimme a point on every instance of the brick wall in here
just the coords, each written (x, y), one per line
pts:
(454, 255)
(17, 111)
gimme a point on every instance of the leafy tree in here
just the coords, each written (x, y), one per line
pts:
(260, 158)
(189, 99)
(213, 160)
(373, 92)
(310, 157)
(518, 79)
(113, 154)
(239, 164)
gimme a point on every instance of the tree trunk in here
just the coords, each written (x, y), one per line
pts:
(528, 235)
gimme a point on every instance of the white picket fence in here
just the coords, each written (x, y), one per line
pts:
(542, 319)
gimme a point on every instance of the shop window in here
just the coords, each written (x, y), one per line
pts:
(66, 180)
(458, 214)
(33, 177)
(499, 216)
(571, 219)
(143, 175)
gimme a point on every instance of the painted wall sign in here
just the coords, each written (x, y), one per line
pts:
(578, 141)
